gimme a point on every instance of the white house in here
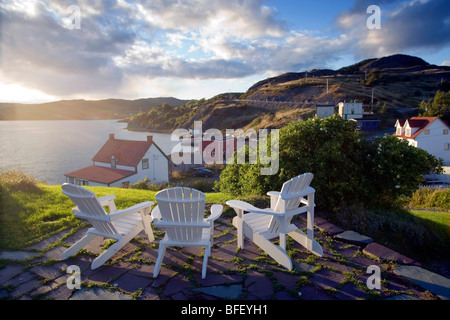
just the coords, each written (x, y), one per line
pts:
(120, 163)
(428, 133)
(352, 110)
(324, 111)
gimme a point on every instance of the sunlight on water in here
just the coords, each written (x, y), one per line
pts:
(49, 149)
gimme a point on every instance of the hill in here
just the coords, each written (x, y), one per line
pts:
(82, 109)
(400, 82)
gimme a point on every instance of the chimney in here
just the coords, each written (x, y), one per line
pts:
(150, 139)
(111, 136)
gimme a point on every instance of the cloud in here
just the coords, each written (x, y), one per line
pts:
(128, 46)
(119, 39)
(406, 26)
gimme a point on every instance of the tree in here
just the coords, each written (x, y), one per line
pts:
(439, 106)
(348, 169)
(395, 169)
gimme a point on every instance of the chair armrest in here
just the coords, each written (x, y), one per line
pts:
(216, 212)
(273, 193)
(156, 214)
(131, 210)
(247, 207)
(108, 201)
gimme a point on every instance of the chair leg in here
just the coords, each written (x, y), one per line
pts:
(205, 261)
(107, 254)
(146, 221)
(161, 253)
(302, 239)
(77, 246)
(276, 252)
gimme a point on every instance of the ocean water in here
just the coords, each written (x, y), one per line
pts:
(49, 149)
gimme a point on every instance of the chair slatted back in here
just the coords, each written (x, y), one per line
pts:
(184, 207)
(290, 188)
(89, 206)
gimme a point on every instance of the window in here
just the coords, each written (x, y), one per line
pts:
(145, 164)
(71, 180)
(447, 146)
(408, 132)
(126, 184)
(113, 162)
(399, 131)
(445, 131)
(427, 132)
(81, 182)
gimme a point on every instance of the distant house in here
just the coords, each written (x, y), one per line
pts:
(428, 133)
(120, 163)
(367, 124)
(325, 111)
(219, 151)
(352, 110)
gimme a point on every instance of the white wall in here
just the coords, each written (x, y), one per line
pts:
(352, 110)
(434, 143)
(157, 172)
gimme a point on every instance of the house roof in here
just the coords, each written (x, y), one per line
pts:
(415, 122)
(100, 174)
(126, 152)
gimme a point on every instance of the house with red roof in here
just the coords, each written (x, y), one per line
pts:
(428, 133)
(120, 163)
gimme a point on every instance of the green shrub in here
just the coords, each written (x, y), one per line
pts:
(16, 180)
(147, 185)
(348, 169)
(430, 199)
(201, 185)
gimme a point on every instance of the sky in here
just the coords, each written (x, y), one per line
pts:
(192, 49)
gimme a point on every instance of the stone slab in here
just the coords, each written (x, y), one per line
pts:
(428, 280)
(324, 225)
(99, 294)
(9, 272)
(402, 297)
(383, 253)
(354, 238)
(224, 292)
(18, 255)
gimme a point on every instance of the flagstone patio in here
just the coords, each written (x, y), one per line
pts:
(247, 274)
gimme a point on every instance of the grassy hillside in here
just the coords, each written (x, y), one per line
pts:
(82, 109)
(397, 82)
(30, 214)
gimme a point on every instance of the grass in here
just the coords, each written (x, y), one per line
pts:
(31, 215)
(31, 212)
(438, 221)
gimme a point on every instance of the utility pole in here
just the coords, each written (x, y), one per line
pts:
(372, 98)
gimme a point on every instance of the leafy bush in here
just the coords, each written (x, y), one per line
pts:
(146, 184)
(431, 199)
(16, 180)
(348, 169)
(395, 228)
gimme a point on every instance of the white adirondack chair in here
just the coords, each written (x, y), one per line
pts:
(262, 225)
(120, 225)
(181, 213)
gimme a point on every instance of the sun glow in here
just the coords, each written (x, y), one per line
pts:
(19, 94)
